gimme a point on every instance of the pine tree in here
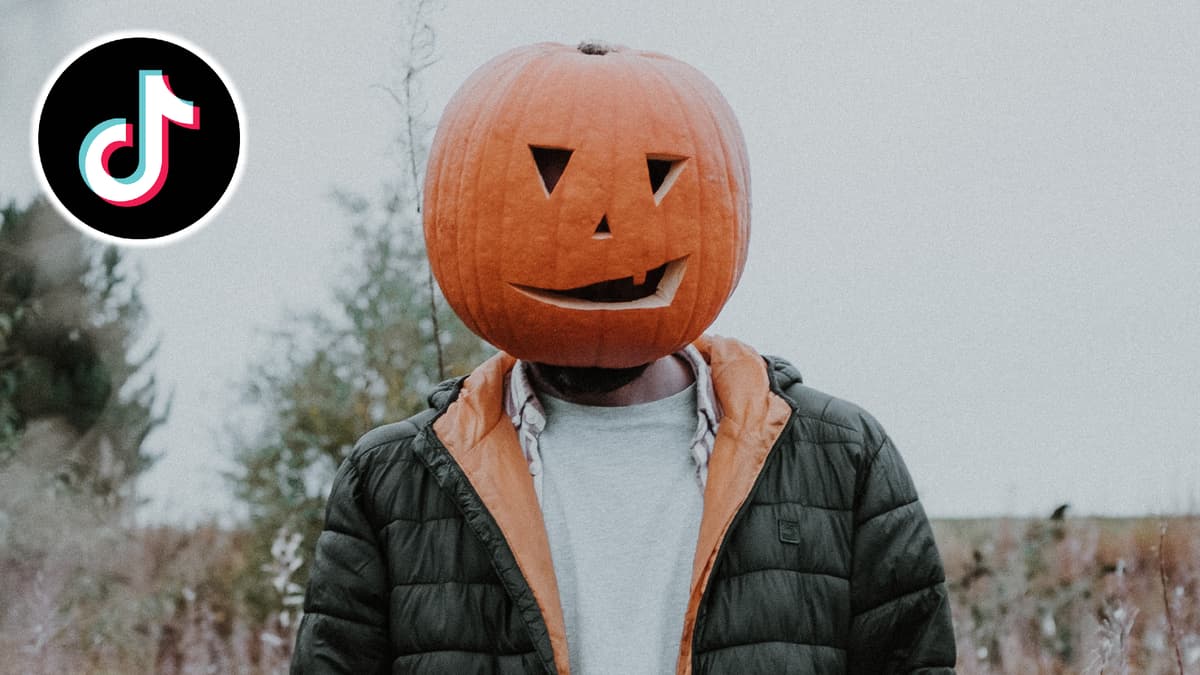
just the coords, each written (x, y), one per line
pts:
(77, 396)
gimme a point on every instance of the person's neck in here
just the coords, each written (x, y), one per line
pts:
(660, 379)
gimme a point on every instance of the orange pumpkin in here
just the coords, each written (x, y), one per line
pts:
(587, 206)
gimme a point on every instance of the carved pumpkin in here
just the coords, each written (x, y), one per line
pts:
(587, 206)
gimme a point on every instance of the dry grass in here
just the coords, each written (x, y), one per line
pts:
(82, 593)
(1074, 595)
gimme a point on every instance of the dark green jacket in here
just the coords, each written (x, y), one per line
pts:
(814, 554)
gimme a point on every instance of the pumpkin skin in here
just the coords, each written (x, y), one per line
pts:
(507, 238)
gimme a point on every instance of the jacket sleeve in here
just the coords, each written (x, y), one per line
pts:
(344, 629)
(901, 612)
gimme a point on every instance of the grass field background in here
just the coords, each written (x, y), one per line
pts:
(83, 593)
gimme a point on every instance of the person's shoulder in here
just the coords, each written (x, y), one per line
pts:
(393, 442)
(827, 417)
(390, 434)
(386, 445)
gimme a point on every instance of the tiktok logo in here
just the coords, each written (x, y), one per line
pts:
(159, 106)
(118, 140)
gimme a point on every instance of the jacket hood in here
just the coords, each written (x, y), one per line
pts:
(783, 374)
(444, 393)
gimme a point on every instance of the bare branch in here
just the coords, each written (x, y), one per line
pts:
(1162, 575)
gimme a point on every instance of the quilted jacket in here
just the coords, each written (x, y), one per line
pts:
(814, 554)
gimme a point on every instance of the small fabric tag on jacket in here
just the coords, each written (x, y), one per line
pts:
(789, 531)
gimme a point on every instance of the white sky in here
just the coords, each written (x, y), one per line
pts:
(979, 221)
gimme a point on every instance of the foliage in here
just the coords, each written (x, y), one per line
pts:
(331, 376)
(83, 592)
(76, 395)
(77, 400)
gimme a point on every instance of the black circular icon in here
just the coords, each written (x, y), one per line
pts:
(138, 138)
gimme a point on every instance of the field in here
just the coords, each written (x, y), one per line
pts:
(82, 593)
(1074, 595)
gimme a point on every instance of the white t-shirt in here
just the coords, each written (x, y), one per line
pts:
(622, 542)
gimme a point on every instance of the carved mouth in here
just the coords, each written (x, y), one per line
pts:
(656, 289)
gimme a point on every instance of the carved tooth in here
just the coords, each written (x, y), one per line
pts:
(639, 278)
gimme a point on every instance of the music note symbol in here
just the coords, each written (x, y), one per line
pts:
(158, 107)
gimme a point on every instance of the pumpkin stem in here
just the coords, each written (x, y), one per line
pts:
(596, 47)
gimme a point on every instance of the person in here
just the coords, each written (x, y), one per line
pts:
(614, 491)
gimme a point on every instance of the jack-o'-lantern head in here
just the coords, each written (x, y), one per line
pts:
(587, 206)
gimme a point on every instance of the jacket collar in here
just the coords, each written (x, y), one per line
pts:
(483, 442)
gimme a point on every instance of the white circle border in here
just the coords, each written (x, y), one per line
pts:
(35, 123)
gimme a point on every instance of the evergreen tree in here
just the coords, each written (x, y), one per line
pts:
(77, 398)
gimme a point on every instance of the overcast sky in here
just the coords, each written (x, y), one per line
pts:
(979, 221)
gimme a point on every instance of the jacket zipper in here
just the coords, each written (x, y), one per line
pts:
(701, 612)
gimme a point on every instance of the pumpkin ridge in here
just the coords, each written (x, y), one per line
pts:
(539, 67)
(640, 78)
(733, 147)
(474, 320)
(683, 331)
(502, 107)
(730, 133)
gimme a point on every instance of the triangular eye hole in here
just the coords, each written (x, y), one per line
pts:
(551, 162)
(602, 230)
(663, 172)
